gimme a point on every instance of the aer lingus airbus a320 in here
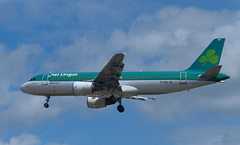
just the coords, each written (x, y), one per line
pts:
(111, 85)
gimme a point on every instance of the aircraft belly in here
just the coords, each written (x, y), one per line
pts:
(62, 88)
(150, 87)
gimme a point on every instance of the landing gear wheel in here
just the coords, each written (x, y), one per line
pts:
(120, 108)
(46, 105)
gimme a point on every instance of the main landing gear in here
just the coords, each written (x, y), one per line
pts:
(46, 105)
(112, 99)
(120, 107)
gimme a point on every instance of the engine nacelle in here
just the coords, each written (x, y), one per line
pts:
(83, 88)
(95, 102)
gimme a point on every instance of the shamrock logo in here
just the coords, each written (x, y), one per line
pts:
(210, 56)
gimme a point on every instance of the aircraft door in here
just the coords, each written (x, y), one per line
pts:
(183, 77)
(45, 79)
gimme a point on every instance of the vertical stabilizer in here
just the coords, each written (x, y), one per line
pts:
(210, 56)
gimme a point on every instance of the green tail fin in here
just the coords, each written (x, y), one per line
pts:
(210, 56)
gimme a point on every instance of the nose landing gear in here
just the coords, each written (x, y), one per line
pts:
(46, 105)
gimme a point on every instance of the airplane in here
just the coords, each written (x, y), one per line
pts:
(111, 84)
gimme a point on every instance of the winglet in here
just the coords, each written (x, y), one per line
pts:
(124, 53)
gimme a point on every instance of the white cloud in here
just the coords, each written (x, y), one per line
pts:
(26, 139)
(16, 67)
(22, 110)
(185, 106)
(23, 139)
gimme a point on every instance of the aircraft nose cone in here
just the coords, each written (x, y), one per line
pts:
(24, 88)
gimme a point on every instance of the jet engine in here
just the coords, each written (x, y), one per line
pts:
(85, 88)
(96, 102)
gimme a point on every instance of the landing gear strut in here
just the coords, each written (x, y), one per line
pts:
(46, 105)
(113, 100)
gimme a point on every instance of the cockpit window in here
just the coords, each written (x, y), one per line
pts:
(32, 79)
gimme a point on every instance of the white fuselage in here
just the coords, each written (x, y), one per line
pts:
(144, 87)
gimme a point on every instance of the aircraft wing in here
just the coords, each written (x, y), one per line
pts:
(110, 74)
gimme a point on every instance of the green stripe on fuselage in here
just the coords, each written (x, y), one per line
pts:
(158, 75)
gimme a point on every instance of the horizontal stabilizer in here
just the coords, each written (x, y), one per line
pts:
(211, 73)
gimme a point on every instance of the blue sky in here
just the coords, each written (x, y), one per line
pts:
(81, 35)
